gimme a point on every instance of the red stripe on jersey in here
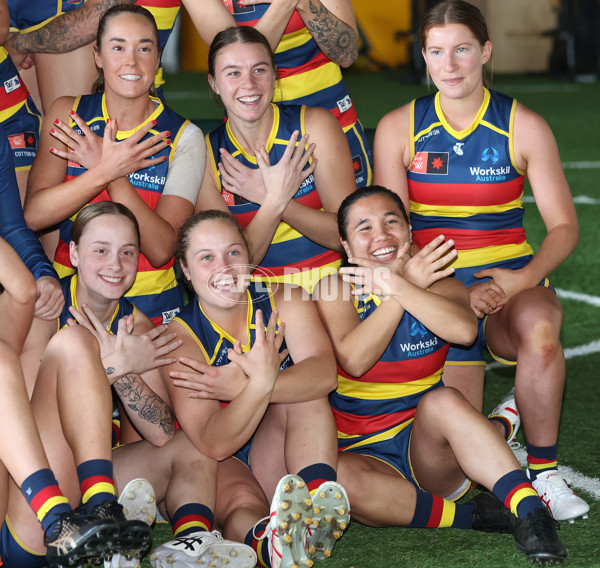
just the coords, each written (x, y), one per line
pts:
(346, 118)
(437, 508)
(159, 3)
(412, 369)
(311, 200)
(456, 194)
(13, 98)
(61, 256)
(295, 24)
(315, 261)
(468, 240)
(364, 425)
(317, 61)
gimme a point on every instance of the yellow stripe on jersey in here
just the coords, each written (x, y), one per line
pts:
(239, 148)
(511, 138)
(152, 282)
(195, 338)
(486, 255)
(307, 83)
(422, 133)
(306, 279)
(63, 270)
(460, 134)
(454, 211)
(33, 28)
(493, 127)
(8, 112)
(122, 134)
(75, 303)
(293, 39)
(384, 391)
(386, 435)
(165, 17)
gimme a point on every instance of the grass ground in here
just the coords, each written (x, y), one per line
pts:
(569, 108)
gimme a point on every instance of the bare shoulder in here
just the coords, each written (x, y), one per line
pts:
(533, 138)
(142, 323)
(60, 108)
(397, 118)
(393, 132)
(320, 119)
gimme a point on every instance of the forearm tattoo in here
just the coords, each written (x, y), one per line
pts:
(336, 38)
(150, 407)
(67, 32)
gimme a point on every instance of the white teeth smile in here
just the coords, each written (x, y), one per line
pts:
(249, 99)
(130, 77)
(384, 251)
(223, 284)
(111, 279)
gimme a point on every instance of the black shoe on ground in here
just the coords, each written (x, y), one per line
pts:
(536, 536)
(76, 538)
(134, 537)
(490, 515)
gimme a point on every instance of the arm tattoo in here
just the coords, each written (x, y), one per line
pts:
(68, 31)
(109, 371)
(150, 407)
(336, 38)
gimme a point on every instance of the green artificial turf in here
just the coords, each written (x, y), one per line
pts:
(571, 110)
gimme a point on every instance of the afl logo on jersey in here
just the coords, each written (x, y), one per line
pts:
(430, 163)
(239, 7)
(490, 154)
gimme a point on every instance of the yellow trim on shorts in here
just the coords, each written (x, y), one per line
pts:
(19, 541)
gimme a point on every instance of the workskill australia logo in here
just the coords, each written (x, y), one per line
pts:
(490, 155)
(430, 163)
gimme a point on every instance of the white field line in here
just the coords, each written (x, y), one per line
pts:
(587, 349)
(567, 294)
(543, 88)
(575, 479)
(581, 165)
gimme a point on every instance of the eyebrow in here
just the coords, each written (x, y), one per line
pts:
(367, 219)
(229, 246)
(235, 66)
(123, 40)
(109, 243)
